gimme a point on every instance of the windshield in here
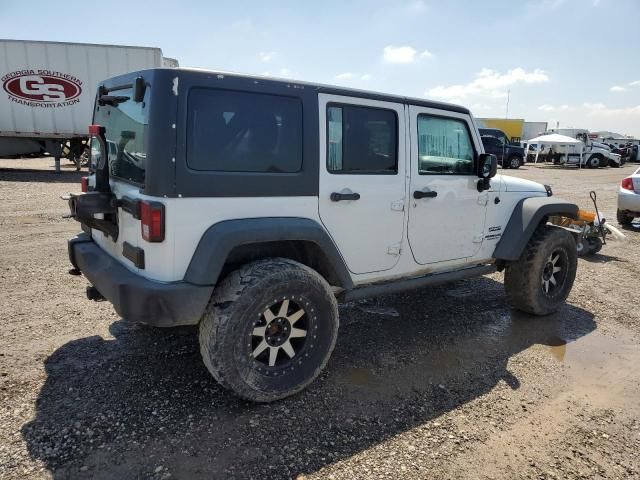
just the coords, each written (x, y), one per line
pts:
(125, 123)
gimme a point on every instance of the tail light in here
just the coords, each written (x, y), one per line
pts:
(627, 183)
(152, 221)
(84, 183)
(95, 130)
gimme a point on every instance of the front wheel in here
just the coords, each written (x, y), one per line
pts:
(269, 329)
(594, 161)
(540, 281)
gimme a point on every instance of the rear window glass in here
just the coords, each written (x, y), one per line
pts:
(362, 140)
(125, 129)
(230, 131)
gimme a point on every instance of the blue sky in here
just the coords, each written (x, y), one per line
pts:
(572, 61)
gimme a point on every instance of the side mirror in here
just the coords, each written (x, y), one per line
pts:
(487, 169)
(487, 166)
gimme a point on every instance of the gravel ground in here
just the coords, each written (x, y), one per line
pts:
(438, 383)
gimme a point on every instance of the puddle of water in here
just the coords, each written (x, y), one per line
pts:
(358, 376)
(558, 351)
(388, 311)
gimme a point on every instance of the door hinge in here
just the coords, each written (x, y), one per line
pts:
(477, 238)
(394, 250)
(397, 206)
(483, 199)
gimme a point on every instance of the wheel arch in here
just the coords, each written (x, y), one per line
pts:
(231, 243)
(527, 215)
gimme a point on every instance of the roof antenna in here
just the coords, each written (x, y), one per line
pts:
(506, 113)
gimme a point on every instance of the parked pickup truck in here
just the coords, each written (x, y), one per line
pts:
(509, 156)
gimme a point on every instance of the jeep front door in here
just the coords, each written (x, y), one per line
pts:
(446, 213)
(362, 179)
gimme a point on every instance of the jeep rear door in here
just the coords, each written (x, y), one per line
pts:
(446, 212)
(362, 179)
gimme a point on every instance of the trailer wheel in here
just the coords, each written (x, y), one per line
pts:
(595, 245)
(582, 248)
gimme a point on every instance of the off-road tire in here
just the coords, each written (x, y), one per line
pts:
(614, 164)
(523, 279)
(623, 218)
(237, 309)
(511, 162)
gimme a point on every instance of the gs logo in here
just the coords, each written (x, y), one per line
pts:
(41, 88)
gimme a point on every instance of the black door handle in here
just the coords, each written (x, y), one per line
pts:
(421, 194)
(336, 197)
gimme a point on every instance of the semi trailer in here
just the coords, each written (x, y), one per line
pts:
(48, 92)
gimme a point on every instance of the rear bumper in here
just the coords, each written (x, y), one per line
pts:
(136, 298)
(628, 201)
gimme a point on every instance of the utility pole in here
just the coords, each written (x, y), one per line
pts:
(506, 113)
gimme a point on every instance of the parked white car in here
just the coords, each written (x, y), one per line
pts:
(629, 199)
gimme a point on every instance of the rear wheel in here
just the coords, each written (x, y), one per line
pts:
(540, 281)
(515, 161)
(269, 329)
(623, 218)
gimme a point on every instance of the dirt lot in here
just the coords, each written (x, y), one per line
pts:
(439, 383)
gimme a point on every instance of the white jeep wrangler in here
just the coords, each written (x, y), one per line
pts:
(252, 206)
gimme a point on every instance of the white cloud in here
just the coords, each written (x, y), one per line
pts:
(601, 110)
(426, 54)
(267, 56)
(286, 73)
(551, 108)
(624, 88)
(416, 6)
(404, 54)
(552, 4)
(489, 83)
(349, 77)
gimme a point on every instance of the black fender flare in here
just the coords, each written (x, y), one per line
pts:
(525, 218)
(221, 238)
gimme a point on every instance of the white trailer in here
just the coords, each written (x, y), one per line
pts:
(532, 129)
(49, 89)
(593, 154)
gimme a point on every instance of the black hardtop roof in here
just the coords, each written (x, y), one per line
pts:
(320, 88)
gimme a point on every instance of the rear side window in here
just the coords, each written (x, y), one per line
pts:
(230, 131)
(444, 146)
(362, 140)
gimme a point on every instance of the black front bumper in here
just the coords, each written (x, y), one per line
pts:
(136, 298)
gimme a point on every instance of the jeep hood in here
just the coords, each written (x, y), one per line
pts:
(514, 184)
